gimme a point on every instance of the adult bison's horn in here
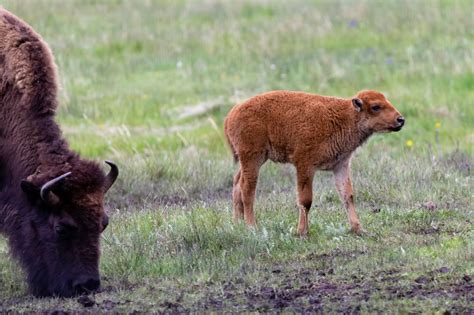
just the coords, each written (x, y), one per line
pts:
(46, 193)
(112, 176)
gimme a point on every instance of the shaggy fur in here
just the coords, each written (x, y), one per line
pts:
(310, 131)
(57, 243)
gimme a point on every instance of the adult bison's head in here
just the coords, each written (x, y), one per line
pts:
(61, 233)
(377, 113)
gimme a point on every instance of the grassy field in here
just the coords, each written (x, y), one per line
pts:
(147, 84)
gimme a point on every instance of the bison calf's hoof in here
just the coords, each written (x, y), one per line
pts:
(252, 225)
(303, 235)
(357, 229)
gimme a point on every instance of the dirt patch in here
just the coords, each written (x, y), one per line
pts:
(317, 291)
(294, 290)
(315, 296)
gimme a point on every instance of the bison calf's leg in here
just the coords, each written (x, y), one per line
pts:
(344, 187)
(237, 198)
(248, 184)
(304, 177)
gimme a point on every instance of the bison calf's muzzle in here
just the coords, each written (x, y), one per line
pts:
(310, 131)
(401, 120)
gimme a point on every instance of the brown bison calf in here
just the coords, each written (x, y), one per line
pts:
(310, 131)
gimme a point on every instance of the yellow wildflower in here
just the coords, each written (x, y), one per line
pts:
(438, 125)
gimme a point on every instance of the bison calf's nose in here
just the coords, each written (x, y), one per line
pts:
(401, 120)
(86, 285)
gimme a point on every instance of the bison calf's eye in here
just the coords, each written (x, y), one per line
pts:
(376, 108)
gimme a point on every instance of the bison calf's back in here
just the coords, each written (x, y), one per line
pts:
(310, 131)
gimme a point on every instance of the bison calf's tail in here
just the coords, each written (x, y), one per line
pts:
(232, 149)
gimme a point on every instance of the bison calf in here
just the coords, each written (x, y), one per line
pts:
(310, 131)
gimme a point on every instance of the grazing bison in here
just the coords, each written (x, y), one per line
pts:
(310, 131)
(51, 200)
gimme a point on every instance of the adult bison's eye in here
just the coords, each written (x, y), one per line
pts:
(64, 231)
(376, 108)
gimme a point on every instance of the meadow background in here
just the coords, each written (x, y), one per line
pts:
(147, 84)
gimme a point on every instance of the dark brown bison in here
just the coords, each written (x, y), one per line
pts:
(51, 200)
(312, 132)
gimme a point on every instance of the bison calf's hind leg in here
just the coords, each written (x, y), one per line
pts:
(304, 177)
(237, 198)
(248, 184)
(344, 187)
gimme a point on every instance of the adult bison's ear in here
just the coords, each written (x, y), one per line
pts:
(44, 193)
(357, 102)
(30, 190)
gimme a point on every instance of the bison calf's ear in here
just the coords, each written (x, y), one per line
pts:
(357, 102)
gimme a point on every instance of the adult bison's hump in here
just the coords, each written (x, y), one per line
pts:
(27, 70)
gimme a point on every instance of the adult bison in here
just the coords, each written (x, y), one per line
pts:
(51, 200)
(312, 132)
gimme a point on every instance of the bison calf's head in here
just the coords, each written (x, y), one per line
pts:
(377, 114)
(61, 238)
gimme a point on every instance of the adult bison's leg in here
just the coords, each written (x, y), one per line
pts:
(344, 187)
(304, 180)
(248, 183)
(238, 205)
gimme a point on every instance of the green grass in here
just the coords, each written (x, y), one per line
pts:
(148, 84)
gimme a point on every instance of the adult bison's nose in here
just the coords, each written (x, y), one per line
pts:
(86, 285)
(401, 120)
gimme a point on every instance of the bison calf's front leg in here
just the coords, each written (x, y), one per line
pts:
(344, 187)
(305, 197)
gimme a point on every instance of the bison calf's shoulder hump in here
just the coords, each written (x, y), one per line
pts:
(310, 131)
(51, 200)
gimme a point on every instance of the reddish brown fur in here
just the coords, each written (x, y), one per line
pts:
(58, 244)
(310, 131)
